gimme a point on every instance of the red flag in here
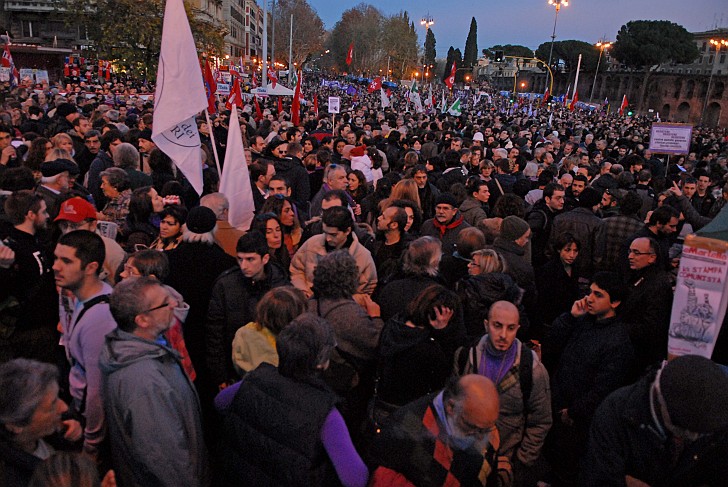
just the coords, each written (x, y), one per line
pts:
(101, 69)
(296, 105)
(350, 54)
(258, 111)
(254, 81)
(66, 70)
(273, 77)
(236, 96)
(315, 104)
(375, 84)
(572, 105)
(7, 62)
(450, 81)
(545, 97)
(210, 87)
(280, 105)
(108, 70)
(624, 105)
(388, 92)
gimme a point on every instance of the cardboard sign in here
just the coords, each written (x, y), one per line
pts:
(334, 104)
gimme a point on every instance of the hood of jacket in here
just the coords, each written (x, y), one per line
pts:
(397, 336)
(123, 349)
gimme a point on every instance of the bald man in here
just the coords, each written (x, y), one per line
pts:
(523, 385)
(445, 438)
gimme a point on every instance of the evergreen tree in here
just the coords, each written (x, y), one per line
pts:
(470, 58)
(430, 52)
(448, 63)
(457, 56)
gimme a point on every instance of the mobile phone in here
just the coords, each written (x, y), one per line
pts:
(16, 143)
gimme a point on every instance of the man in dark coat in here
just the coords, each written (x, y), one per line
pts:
(541, 220)
(667, 429)
(447, 224)
(235, 295)
(593, 352)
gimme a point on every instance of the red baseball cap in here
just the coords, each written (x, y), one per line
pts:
(76, 210)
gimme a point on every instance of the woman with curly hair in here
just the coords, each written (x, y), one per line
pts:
(39, 149)
(358, 190)
(284, 209)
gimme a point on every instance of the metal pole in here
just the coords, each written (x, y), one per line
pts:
(710, 81)
(290, 52)
(591, 95)
(553, 38)
(264, 75)
(273, 35)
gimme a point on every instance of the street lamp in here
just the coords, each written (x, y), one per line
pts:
(717, 43)
(602, 45)
(557, 5)
(426, 22)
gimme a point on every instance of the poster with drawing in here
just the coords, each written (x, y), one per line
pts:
(700, 297)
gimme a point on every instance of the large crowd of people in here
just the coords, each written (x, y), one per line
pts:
(422, 298)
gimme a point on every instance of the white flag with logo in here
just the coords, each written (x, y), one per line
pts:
(180, 95)
(235, 179)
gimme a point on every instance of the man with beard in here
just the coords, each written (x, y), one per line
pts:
(453, 433)
(337, 234)
(392, 240)
(29, 319)
(447, 224)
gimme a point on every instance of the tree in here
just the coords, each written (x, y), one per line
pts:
(124, 42)
(470, 58)
(458, 59)
(361, 25)
(646, 44)
(567, 52)
(308, 30)
(448, 63)
(400, 43)
(509, 50)
(430, 52)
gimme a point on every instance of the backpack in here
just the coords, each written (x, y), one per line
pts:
(525, 369)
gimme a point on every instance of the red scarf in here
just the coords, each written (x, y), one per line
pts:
(443, 228)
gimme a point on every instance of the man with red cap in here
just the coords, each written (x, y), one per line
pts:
(78, 214)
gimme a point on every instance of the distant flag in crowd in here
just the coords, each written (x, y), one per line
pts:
(180, 95)
(350, 54)
(280, 105)
(236, 95)
(546, 95)
(235, 179)
(455, 109)
(551, 119)
(294, 79)
(384, 97)
(429, 102)
(210, 87)
(374, 85)
(450, 80)
(315, 104)
(606, 101)
(258, 111)
(574, 100)
(443, 103)
(107, 67)
(296, 105)
(624, 105)
(415, 97)
(273, 77)
(7, 62)
(254, 80)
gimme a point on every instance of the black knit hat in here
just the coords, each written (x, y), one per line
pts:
(201, 220)
(446, 199)
(695, 390)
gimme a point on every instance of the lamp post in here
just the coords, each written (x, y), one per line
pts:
(717, 43)
(426, 22)
(602, 45)
(557, 5)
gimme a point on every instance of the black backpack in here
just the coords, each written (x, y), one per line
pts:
(525, 369)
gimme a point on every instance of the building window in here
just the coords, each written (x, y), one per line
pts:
(722, 59)
(710, 59)
(705, 44)
(26, 27)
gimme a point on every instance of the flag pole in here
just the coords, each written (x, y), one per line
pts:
(212, 139)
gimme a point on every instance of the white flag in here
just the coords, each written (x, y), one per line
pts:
(455, 109)
(385, 99)
(180, 95)
(235, 179)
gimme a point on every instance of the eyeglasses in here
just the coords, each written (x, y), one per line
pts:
(638, 253)
(163, 305)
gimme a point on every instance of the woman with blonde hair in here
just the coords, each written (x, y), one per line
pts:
(486, 284)
(63, 141)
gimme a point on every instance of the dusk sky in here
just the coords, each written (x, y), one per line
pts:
(530, 22)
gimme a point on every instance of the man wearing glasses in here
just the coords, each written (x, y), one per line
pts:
(152, 409)
(663, 430)
(646, 311)
(85, 320)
